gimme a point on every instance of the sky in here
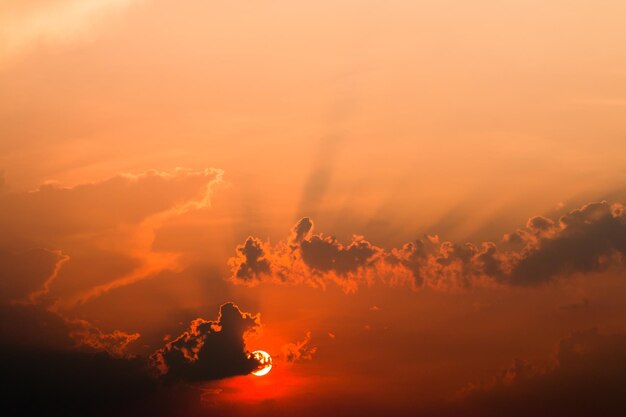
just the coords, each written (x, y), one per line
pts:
(415, 207)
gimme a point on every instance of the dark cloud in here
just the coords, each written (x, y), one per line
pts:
(305, 258)
(411, 256)
(33, 327)
(46, 371)
(50, 365)
(587, 239)
(210, 350)
(253, 261)
(71, 383)
(325, 253)
(588, 379)
(300, 231)
(540, 224)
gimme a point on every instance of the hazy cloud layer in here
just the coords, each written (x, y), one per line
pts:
(587, 379)
(107, 226)
(34, 22)
(585, 240)
(55, 241)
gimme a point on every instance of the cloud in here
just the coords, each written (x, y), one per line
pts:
(35, 327)
(325, 253)
(301, 231)
(297, 351)
(58, 364)
(114, 343)
(307, 258)
(253, 261)
(29, 22)
(112, 222)
(48, 368)
(51, 365)
(210, 350)
(27, 274)
(55, 213)
(587, 379)
(72, 383)
(585, 240)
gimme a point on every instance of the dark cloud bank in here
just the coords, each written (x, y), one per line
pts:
(51, 365)
(585, 240)
(46, 371)
(44, 374)
(588, 378)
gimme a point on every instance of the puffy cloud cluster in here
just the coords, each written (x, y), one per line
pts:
(210, 350)
(313, 259)
(585, 240)
(253, 262)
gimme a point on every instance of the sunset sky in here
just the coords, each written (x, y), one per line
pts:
(415, 207)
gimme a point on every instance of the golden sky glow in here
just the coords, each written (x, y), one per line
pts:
(434, 186)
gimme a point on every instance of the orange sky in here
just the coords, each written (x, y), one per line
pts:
(143, 141)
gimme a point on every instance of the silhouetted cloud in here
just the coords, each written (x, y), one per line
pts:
(306, 258)
(50, 365)
(210, 350)
(300, 231)
(253, 262)
(585, 240)
(325, 253)
(72, 383)
(46, 369)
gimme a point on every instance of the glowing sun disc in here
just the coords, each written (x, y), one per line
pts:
(265, 362)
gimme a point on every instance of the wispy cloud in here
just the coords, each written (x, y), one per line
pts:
(27, 22)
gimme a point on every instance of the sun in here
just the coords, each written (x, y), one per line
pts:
(265, 362)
